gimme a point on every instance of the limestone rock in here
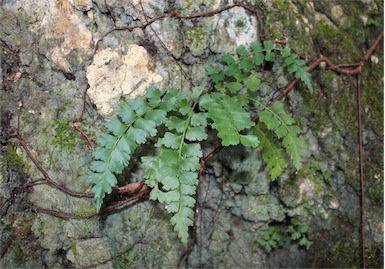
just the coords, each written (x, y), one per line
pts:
(83, 5)
(112, 76)
(67, 41)
(235, 26)
(91, 251)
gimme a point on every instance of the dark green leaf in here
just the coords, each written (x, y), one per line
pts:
(241, 51)
(213, 70)
(170, 183)
(147, 125)
(137, 135)
(170, 140)
(196, 92)
(101, 153)
(234, 87)
(126, 145)
(110, 178)
(175, 123)
(157, 115)
(172, 196)
(190, 178)
(153, 96)
(99, 166)
(192, 150)
(106, 140)
(228, 59)
(196, 133)
(249, 140)
(188, 189)
(199, 119)
(189, 164)
(246, 64)
(253, 81)
(126, 113)
(138, 105)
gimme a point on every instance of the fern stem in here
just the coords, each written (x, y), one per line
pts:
(271, 111)
(187, 123)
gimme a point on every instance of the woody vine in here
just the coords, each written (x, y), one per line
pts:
(178, 163)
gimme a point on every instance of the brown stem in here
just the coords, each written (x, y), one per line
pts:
(45, 174)
(334, 67)
(66, 215)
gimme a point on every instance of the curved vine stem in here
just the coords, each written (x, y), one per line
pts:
(331, 66)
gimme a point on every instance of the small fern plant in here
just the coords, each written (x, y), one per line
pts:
(187, 120)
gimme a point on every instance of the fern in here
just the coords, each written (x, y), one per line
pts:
(242, 73)
(277, 120)
(239, 74)
(297, 66)
(172, 172)
(230, 118)
(136, 120)
(273, 153)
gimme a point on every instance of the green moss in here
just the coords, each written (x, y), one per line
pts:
(283, 22)
(20, 257)
(14, 161)
(372, 94)
(282, 5)
(62, 136)
(335, 248)
(88, 226)
(374, 183)
(196, 35)
(226, 23)
(73, 248)
(338, 45)
(239, 23)
(133, 221)
(41, 228)
(86, 210)
(124, 261)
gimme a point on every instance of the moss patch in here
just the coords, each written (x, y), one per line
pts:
(62, 136)
(13, 160)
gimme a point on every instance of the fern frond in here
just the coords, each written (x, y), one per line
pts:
(172, 174)
(297, 66)
(276, 119)
(272, 151)
(136, 120)
(229, 117)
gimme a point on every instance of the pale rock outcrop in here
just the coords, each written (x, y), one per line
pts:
(112, 75)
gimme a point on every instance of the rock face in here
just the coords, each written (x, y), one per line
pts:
(113, 75)
(54, 51)
(66, 40)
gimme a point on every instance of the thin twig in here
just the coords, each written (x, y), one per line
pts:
(45, 174)
(75, 125)
(65, 215)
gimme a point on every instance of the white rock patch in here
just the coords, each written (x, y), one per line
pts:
(112, 76)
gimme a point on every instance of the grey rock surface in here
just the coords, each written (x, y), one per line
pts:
(63, 59)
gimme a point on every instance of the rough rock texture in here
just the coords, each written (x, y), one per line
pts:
(52, 52)
(113, 75)
(65, 40)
